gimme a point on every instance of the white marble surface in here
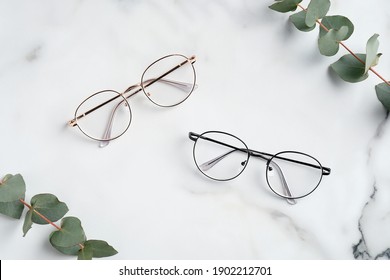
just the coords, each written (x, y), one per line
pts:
(258, 78)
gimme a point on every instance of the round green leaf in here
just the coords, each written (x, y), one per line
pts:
(12, 209)
(336, 23)
(49, 206)
(350, 69)
(68, 239)
(285, 6)
(317, 9)
(383, 94)
(12, 188)
(329, 44)
(298, 19)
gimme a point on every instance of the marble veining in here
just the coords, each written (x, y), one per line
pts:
(362, 249)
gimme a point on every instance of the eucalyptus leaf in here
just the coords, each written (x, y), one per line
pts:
(285, 6)
(383, 94)
(372, 52)
(5, 178)
(12, 188)
(27, 222)
(12, 209)
(316, 10)
(85, 253)
(100, 248)
(49, 206)
(350, 69)
(298, 19)
(70, 237)
(336, 23)
(329, 44)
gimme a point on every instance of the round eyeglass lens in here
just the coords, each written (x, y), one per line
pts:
(169, 81)
(103, 116)
(220, 156)
(293, 174)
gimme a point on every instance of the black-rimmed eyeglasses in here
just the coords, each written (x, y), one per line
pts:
(289, 174)
(167, 82)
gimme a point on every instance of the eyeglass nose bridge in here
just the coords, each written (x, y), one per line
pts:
(130, 88)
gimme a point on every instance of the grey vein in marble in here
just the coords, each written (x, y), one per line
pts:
(33, 54)
(362, 249)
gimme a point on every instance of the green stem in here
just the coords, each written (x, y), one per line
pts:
(46, 219)
(39, 214)
(349, 50)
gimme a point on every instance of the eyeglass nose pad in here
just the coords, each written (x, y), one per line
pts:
(243, 163)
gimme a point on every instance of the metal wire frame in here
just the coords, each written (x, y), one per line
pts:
(136, 88)
(268, 157)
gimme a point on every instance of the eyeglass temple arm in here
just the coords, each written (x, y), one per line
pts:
(73, 122)
(191, 60)
(286, 189)
(150, 82)
(180, 85)
(325, 170)
(107, 132)
(177, 84)
(209, 164)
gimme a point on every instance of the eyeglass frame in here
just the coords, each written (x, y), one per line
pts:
(142, 87)
(325, 171)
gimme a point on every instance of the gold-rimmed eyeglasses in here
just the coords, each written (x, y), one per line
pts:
(166, 82)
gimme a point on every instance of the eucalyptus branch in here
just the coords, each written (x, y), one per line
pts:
(69, 238)
(44, 218)
(352, 67)
(39, 214)
(348, 49)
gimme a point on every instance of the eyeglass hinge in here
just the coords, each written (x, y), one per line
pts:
(72, 122)
(326, 171)
(193, 136)
(192, 59)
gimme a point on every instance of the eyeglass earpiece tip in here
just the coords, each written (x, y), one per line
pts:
(291, 201)
(103, 143)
